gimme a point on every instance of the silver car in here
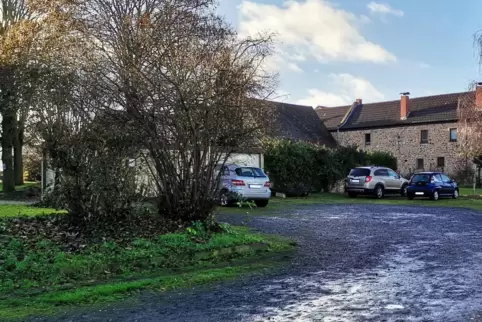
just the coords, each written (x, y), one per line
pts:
(240, 182)
(376, 181)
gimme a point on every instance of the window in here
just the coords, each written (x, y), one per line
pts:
(424, 136)
(420, 164)
(453, 135)
(392, 174)
(445, 178)
(440, 162)
(368, 139)
(421, 178)
(437, 178)
(360, 172)
(250, 172)
(381, 173)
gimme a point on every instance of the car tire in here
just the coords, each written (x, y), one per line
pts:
(403, 191)
(410, 197)
(352, 194)
(224, 199)
(378, 192)
(435, 195)
(456, 194)
(261, 203)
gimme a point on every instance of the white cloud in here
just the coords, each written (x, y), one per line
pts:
(318, 97)
(423, 65)
(348, 88)
(311, 29)
(384, 9)
(294, 67)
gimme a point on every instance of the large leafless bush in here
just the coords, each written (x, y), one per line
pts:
(183, 81)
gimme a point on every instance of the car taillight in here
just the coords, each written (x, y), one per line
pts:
(267, 184)
(368, 179)
(237, 182)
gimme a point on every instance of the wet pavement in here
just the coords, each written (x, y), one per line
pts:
(353, 263)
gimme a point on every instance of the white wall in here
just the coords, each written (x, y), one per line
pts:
(254, 159)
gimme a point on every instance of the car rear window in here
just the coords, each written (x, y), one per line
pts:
(249, 172)
(360, 172)
(421, 178)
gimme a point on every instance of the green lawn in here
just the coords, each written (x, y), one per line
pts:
(278, 205)
(22, 210)
(41, 277)
(15, 308)
(39, 280)
(22, 187)
(469, 191)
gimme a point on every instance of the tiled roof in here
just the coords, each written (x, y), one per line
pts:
(299, 122)
(429, 109)
(332, 116)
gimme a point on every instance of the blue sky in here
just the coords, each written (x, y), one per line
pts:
(332, 52)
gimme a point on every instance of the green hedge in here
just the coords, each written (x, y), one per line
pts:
(300, 167)
(385, 159)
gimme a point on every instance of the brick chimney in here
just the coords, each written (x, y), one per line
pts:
(405, 106)
(478, 95)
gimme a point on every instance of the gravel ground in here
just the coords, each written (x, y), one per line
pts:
(354, 263)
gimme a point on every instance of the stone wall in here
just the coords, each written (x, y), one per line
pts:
(404, 143)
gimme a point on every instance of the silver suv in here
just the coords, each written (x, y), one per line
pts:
(244, 183)
(376, 181)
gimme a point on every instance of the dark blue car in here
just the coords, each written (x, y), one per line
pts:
(433, 185)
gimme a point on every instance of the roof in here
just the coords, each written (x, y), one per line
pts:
(428, 109)
(298, 122)
(332, 116)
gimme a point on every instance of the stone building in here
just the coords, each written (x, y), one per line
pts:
(422, 133)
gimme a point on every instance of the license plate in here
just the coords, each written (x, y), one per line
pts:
(355, 181)
(255, 186)
(419, 193)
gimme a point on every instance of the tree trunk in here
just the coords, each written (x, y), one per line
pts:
(8, 129)
(18, 162)
(18, 149)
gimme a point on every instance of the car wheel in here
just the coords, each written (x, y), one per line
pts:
(404, 190)
(456, 194)
(224, 198)
(352, 194)
(378, 192)
(435, 195)
(410, 196)
(261, 203)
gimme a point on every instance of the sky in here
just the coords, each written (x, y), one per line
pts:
(330, 53)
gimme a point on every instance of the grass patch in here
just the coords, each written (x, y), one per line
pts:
(13, 210)
(21, 187)
(22, 192)
(278, 205)
(465, 191)
(15, 308)
(37, 279)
